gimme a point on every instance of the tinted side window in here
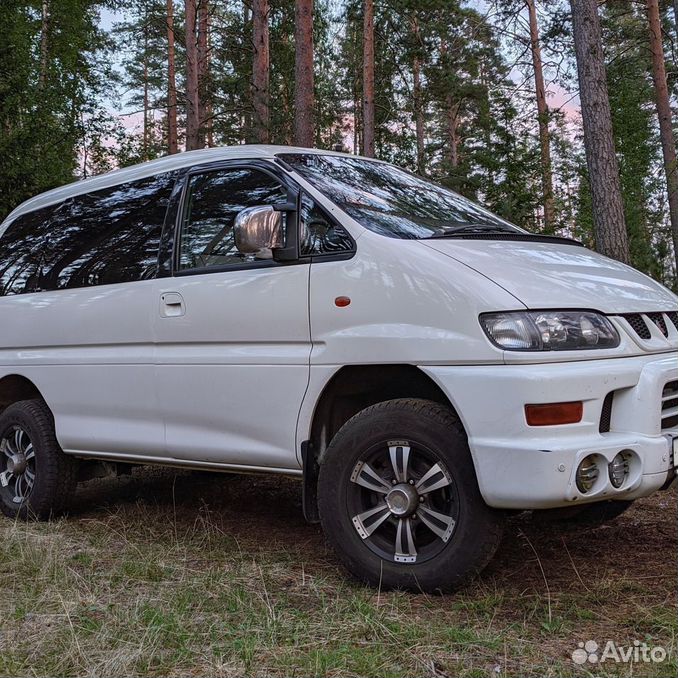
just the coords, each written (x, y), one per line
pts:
(320, 234)
(21, 252)
(214, 199)
(110, 236)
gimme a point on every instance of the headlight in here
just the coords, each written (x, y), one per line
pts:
(549, 330)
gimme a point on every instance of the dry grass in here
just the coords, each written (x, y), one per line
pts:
(180, 574)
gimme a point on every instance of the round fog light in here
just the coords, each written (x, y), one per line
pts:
(587, 474)
(618, 469)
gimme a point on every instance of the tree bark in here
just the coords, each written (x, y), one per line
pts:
(304, 99)
(44, 44)
(261, 71)
(204, 116)
(543, 117)
(172, 133)
(192, 85)
(146, 94)
(417, 100)
(665, 117)
(452, 116)
(368, 79)
(603, 167)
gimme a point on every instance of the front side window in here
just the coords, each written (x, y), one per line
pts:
(320, 234)
(391, 201)
(213, 201)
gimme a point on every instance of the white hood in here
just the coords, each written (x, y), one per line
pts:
(550, 275)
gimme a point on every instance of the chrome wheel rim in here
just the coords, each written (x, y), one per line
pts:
(17, 465)
(403, 501)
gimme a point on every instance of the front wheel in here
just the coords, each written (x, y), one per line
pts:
(399, 500)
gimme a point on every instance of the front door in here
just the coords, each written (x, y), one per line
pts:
(232, 331)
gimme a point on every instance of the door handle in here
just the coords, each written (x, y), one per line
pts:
(172, 305)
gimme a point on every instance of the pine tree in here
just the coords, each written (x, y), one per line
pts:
(261, 70)
(665, 117)
(608, 211)
(368, 78)
(304, 98)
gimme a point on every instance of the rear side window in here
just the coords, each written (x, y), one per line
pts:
(105, 237)
(111, 236)
(21, 252)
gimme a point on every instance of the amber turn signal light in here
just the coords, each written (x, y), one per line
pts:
(553, 414)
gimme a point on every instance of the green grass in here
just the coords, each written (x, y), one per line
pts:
(150, 585)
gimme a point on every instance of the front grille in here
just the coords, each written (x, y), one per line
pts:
(670, 405)
(658, 320)
(638, 324)
(606, 413)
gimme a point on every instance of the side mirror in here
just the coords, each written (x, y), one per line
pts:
(258, 230)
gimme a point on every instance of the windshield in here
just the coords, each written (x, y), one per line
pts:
(393, 202)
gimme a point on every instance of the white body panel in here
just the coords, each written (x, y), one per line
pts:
(90, 352)
(233, 369)
(521, 466)
(225, 369)
(545, 275)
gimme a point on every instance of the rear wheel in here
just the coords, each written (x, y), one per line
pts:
(36, 477)
(399, 500)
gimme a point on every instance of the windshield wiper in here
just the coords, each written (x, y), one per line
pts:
(476, 232)
(484, 229)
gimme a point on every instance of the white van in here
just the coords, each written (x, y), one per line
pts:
(422, 365)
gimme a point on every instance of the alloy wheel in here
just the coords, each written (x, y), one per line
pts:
(403, 501)
(17, 465)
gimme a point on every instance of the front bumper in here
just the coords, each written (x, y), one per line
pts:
(525, 467)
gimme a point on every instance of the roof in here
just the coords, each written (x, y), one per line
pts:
(146, 169)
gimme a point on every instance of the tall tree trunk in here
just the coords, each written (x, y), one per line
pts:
(664, 113)
(245, 43)
(44, 44)
(146, 97)
(304, 99)
(192, 85)
(356, 117)
(608, 210)
(543, 116)
(260, 71)
(172, 132)
(452, 117)
(417, 100)
(368, 79)
(203, 72)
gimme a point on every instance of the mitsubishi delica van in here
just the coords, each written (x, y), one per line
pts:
(422, 366)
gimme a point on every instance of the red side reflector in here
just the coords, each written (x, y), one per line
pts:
(553, 414)
(342, 302)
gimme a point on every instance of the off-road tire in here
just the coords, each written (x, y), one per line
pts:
(55, 472)
(478, 528)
